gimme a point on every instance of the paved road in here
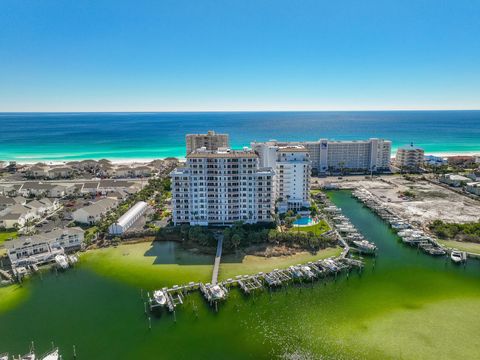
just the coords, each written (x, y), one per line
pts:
(218, 256)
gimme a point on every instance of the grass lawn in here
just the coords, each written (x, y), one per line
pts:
(249, 264)
(317, 229)
(148, 265)
(460, 245)
(5, 235)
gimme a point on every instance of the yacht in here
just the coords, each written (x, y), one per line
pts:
(29, 356)
(458, 256)
(159, 297)
(308, 272)
(217, 292)
(365, 246)
(61, 261)
(53, 355)
(4, 356)
(296, 272)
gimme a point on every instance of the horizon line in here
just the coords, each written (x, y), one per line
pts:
(224, 111)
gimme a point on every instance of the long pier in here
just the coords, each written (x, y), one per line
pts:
(218, 257)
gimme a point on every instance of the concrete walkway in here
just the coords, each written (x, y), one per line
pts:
(218, 256)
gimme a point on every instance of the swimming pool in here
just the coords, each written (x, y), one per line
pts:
(304, 221)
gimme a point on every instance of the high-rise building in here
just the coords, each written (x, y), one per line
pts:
(292, 178)
(409, 157)
(209, 141)
(292, 173)
(331, 156)
(220, 187)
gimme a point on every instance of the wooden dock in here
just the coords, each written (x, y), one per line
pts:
(218, 257)
(249, 284)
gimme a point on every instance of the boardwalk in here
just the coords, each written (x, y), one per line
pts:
(218, 257)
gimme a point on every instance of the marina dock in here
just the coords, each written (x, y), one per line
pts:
(170, 298)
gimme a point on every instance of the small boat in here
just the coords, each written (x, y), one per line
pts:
(365, 246)
(331, 265)
(436, 251)
(159, 297)
(29, 356)
(296, 272)
(4, 356)
(61, 261)
(73, 259)
(217, 292)
(309, 274)
(52, 355)
(458, 256)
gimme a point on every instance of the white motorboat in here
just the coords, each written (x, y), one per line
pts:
(159, 297)
(29, 356)
(53, 355)
(4, 356)
(217, 292)
(308, 272)
(296, 272)
(458, 256)
(73, 259)
(365, 246)
(61, 261)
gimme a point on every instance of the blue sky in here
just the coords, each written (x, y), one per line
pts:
(203, 55)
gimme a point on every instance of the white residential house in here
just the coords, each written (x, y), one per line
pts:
(94, 212)
(42, 248)
(142, 171)
(17, 215)
(90, 187)
(60, 191)
(123, 172)
(61, 172)
(36, 189)
(38, 171)
(8, 190)
(44, 206)
(473, 188)
(454, 180)
(6, 202)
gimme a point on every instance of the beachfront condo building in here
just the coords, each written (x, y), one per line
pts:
(292, 167)
(221, 187)
(329, 156)
(409, 157)
(210, 141)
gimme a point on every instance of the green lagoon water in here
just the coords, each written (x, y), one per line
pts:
(405, 305)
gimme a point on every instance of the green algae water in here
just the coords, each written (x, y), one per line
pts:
(405, 305)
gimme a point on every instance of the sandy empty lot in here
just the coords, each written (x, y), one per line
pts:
(431, 202)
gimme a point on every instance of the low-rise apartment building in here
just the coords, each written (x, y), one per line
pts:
(409, 157)
(42, 248)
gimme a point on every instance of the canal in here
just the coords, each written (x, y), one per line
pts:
(405, 305)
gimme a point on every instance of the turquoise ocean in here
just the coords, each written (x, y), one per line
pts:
(31, 137)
